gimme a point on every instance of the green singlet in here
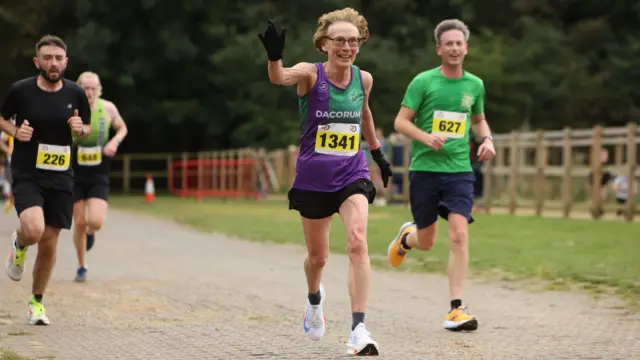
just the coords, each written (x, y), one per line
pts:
(444, 106)
(99, 128)
(88, 160)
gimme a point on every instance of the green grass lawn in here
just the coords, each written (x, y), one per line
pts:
(596, 254)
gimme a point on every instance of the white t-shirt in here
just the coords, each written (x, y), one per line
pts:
(621, 185)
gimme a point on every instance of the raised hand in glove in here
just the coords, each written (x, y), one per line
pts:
(273, 41)
(383, 164)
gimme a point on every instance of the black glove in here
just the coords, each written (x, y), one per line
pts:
(273, 41)
(383, 164)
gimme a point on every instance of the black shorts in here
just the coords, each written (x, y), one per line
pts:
(433, 193)
(621, 201)
(320, 204)
(57, 205)
(88, 190)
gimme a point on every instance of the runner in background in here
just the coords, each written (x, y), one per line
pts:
(438, 110)
(6, 145)
(91, 165)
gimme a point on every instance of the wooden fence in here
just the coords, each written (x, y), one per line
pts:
(541, 170)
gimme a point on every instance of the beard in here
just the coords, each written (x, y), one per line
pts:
(45, 75)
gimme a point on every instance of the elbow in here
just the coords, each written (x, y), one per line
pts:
(397, 124)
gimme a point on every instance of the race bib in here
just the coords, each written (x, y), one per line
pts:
(89, 156)
(451, 124)
(338, 139)
(53, 157)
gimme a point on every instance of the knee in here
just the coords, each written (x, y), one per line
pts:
(95, 223)
(80, 223)
(357, 243)
(31, 233)
(318, 260)
(49, 243)
(426, 240)
(458, 237)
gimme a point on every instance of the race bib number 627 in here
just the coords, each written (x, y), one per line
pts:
(451, 124)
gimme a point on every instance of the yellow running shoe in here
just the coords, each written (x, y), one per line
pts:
(8, 205)
(396, 253)
(459, 319)
(16, 259)
(36, 315)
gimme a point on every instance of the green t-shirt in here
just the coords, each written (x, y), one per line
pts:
(444, 105)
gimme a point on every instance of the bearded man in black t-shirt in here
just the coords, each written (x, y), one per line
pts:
(45, 107)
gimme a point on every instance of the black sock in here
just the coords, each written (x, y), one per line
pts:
(403, 242)
(456, 303)
(358, 317)
(38, 298)
(18, 246)
(314, 299)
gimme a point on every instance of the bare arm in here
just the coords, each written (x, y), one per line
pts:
(117, 122)
(300, 74)
(8, 127)
(368, 127)
(405, 126)
(480, 126)
(4, 147)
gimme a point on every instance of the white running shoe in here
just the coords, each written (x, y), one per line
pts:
(314, 322)
(15, 260)
(36, 314)
(360, 342)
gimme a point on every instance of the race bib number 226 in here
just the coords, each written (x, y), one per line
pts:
(53, 157)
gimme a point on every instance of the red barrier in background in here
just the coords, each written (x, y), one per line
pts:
(217, 178)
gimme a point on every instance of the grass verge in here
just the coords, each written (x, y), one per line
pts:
(598, 256)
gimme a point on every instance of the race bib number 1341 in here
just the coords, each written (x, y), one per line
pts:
(338, 139)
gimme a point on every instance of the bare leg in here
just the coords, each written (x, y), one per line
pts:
(458, 253)
(45, 260)
(316, 234)
(79, 231)
(354, 212)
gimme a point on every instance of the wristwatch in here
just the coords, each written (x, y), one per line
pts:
(487, 137)
(82, 132)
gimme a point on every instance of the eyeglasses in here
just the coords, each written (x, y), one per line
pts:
(340, 41)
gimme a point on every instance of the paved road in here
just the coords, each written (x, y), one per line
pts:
(161, 291)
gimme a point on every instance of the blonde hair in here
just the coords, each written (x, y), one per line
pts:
(89, 74)
(450, 24)
(345, 15)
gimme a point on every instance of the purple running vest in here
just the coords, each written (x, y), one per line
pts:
(331, 157)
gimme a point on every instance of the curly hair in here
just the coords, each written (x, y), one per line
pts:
(450, 24)
(345, 15)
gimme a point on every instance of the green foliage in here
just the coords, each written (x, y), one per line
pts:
(187, 75)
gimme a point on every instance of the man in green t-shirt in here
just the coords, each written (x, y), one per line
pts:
(439, 108)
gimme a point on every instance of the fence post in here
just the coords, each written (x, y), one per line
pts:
(126, 174)
(514, 155)
(567, 162)
(632, 160)
(541, 163)
(596, 171)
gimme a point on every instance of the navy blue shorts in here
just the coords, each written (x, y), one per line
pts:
(433, 193)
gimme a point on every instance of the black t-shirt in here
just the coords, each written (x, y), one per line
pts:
(47, 113)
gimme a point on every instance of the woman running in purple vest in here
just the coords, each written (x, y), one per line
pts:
(331, 171)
